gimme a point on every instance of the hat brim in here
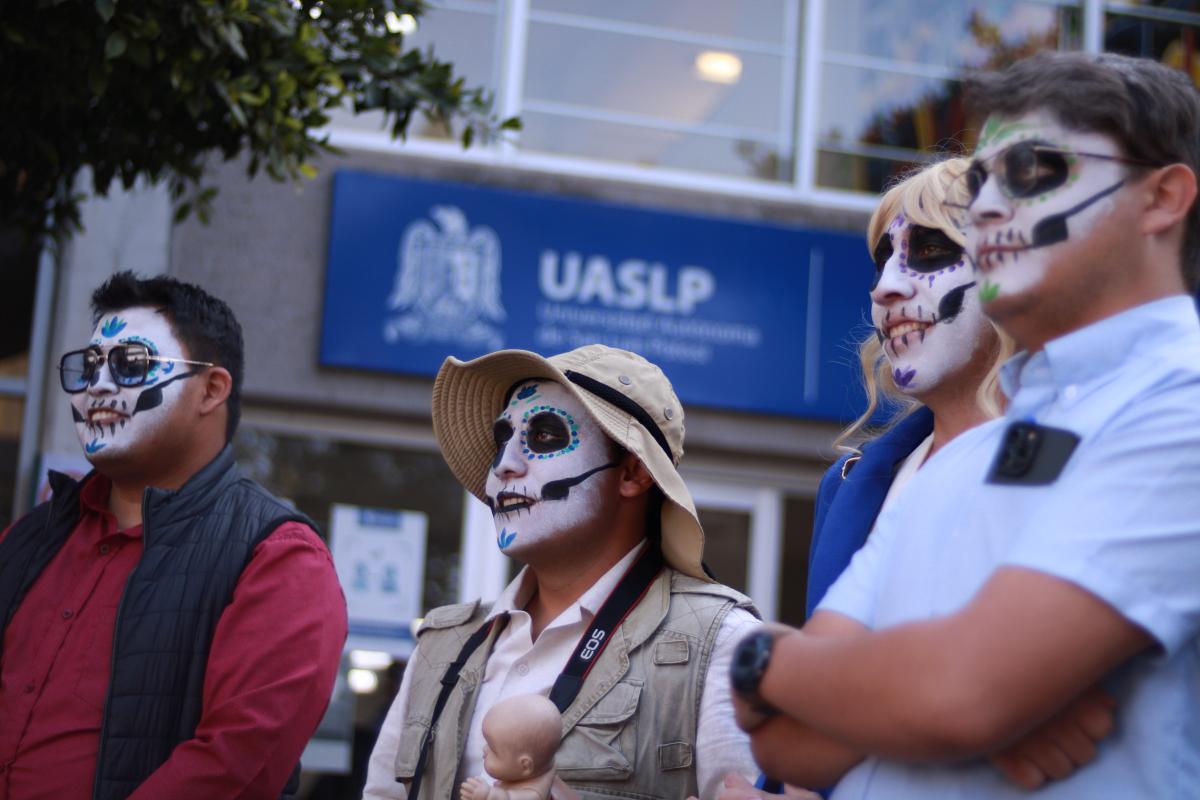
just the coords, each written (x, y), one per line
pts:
(467, 396)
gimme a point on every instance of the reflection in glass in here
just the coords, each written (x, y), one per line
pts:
(890, 95)
(645, 146)
(762, 21)
(656, 102)
(315, 472)
(1169, 41)
(465, 36)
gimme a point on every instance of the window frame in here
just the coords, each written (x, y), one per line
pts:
(805, 16)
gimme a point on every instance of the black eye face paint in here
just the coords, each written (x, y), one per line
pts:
(951, 304)
(883, 251)
(502, 432)
(547, 433)
(930, 250)
(1029, 171)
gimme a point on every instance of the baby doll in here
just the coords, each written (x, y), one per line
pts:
(521, 736)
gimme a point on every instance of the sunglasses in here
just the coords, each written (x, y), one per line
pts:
(129, 365)
(1022, 170)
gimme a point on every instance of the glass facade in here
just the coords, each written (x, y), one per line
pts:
(683, 85)
(314, 472)
(813, 99)
(890, 94)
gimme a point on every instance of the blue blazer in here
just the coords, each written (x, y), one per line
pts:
(847, 507)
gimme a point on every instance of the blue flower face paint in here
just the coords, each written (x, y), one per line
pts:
(547, 474)
(110, 419)
(924, 305)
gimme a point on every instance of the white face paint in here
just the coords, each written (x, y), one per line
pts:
(924, 305)
(1022, 228)
(545, 441)
(112, 419)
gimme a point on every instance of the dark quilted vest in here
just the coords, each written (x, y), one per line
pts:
(196, 541)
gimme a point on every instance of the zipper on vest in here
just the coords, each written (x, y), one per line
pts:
(112, 658)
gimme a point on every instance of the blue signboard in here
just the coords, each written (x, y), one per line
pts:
(744, 316)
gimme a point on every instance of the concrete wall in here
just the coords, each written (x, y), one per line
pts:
(265, 252)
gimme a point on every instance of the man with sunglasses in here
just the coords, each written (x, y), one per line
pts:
(1058, 548)
(170, 628)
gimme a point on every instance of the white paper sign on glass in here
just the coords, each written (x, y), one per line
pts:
(380, 558)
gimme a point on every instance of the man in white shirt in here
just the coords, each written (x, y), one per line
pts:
(613, 617)
(1059, 547)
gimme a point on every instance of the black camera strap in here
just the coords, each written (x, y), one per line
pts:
(627, 594)
(624, 598)
(449, 681)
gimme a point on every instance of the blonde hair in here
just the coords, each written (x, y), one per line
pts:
(921, 196)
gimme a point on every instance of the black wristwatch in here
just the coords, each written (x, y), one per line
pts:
(749, 664)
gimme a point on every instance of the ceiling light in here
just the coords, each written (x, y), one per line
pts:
(718, 66)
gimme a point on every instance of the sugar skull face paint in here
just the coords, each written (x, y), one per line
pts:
(548, 448)
(110, 419)
(1038, 188)
(924, 305)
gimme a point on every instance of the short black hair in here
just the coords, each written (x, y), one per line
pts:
(1149, 109)
(205, 324)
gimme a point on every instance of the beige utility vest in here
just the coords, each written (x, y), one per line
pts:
(631, 731)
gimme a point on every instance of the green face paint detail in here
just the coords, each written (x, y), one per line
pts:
(988, 291)
(995, 131)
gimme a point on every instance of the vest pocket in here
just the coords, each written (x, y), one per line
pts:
(602, 745)
(408, 749)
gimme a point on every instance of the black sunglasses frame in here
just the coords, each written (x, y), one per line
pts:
(87, 375)
(976, 169)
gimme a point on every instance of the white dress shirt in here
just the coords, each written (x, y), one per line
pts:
(520, 665)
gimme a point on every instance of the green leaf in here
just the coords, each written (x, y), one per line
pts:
(105, 8)
(115, 46)
(308, 171)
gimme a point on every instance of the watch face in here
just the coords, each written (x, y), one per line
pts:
(750, 662)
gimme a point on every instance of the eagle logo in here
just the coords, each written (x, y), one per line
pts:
(447, 286)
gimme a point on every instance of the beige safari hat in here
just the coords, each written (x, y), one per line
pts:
(629, 397)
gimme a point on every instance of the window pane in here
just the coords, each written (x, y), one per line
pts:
(653, 147)
(760, 20)
(727, 545)
(665, 102)
(315, 472)
(463, 34)
(889, 93)
(1173, 39)
(793, 572)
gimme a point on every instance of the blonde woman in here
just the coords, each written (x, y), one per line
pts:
(932, 357)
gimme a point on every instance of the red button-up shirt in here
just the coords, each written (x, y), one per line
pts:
(271, 668)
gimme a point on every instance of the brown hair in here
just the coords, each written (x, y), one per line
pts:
(1150, 110)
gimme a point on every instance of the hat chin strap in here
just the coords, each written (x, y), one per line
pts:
(623, 402)
(559, 489)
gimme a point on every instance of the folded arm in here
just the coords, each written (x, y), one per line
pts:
(957, 686)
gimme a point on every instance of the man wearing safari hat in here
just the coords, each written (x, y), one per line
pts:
(613, 616)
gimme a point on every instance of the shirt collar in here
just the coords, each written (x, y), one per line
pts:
(93, 497)
(1098, 350)
(518, 593)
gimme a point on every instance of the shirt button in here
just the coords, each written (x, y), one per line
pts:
(29, 687)
(1070, 392)
(104, 549)
(67, 613)
(522, 669)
